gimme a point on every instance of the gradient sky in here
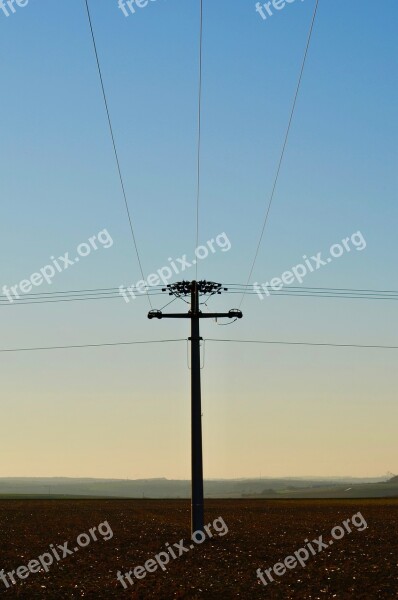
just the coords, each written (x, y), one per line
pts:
(269, 410)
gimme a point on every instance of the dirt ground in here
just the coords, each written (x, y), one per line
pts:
(360, 565)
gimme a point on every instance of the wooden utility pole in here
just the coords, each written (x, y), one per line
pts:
(195, 289)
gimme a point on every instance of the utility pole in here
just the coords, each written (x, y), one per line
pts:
(194, 289)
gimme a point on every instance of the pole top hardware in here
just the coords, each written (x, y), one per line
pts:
(235, 313)
(187, 288)
(155, 314)
(184, 288)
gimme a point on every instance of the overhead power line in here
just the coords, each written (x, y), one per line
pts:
(284, 144)
(89, 345)
(319, 295)
(113, 293)
(230, 287)
(71, 299)
(198, 165)
(313, 292)
(109, 290)
(272, 342)
(76, 295)
(283, 343)
(114, 144)
(329, 289)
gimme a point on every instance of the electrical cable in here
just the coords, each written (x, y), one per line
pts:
(114, 145)
(284, 144)
(89, 345)
(110, 293)
(198, 165)
(305, 344)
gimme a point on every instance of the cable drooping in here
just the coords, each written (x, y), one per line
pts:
(114, 145)
(283, 343)
(284, 145)
(89, 345)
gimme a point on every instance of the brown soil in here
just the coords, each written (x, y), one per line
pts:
(362, 565)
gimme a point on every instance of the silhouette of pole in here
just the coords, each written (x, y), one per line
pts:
(194, 289)
(197, 502)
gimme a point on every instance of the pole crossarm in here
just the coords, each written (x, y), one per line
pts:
(232, 314)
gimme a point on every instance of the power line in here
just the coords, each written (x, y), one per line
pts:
(283, 343)
(80, 292)
(272, 342)
(235, 287)
(114, 144)
(90, 345)
(199, 131)
(76, 294)
(303, 287)
(85, 292)
(284, 144)
(171, 302)
(302, 291)
(71, 299)
(320, 295)
(113, 293)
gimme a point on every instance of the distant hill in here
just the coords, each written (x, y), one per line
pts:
(61, 487)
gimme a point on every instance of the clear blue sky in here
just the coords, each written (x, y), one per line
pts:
(271, 410)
